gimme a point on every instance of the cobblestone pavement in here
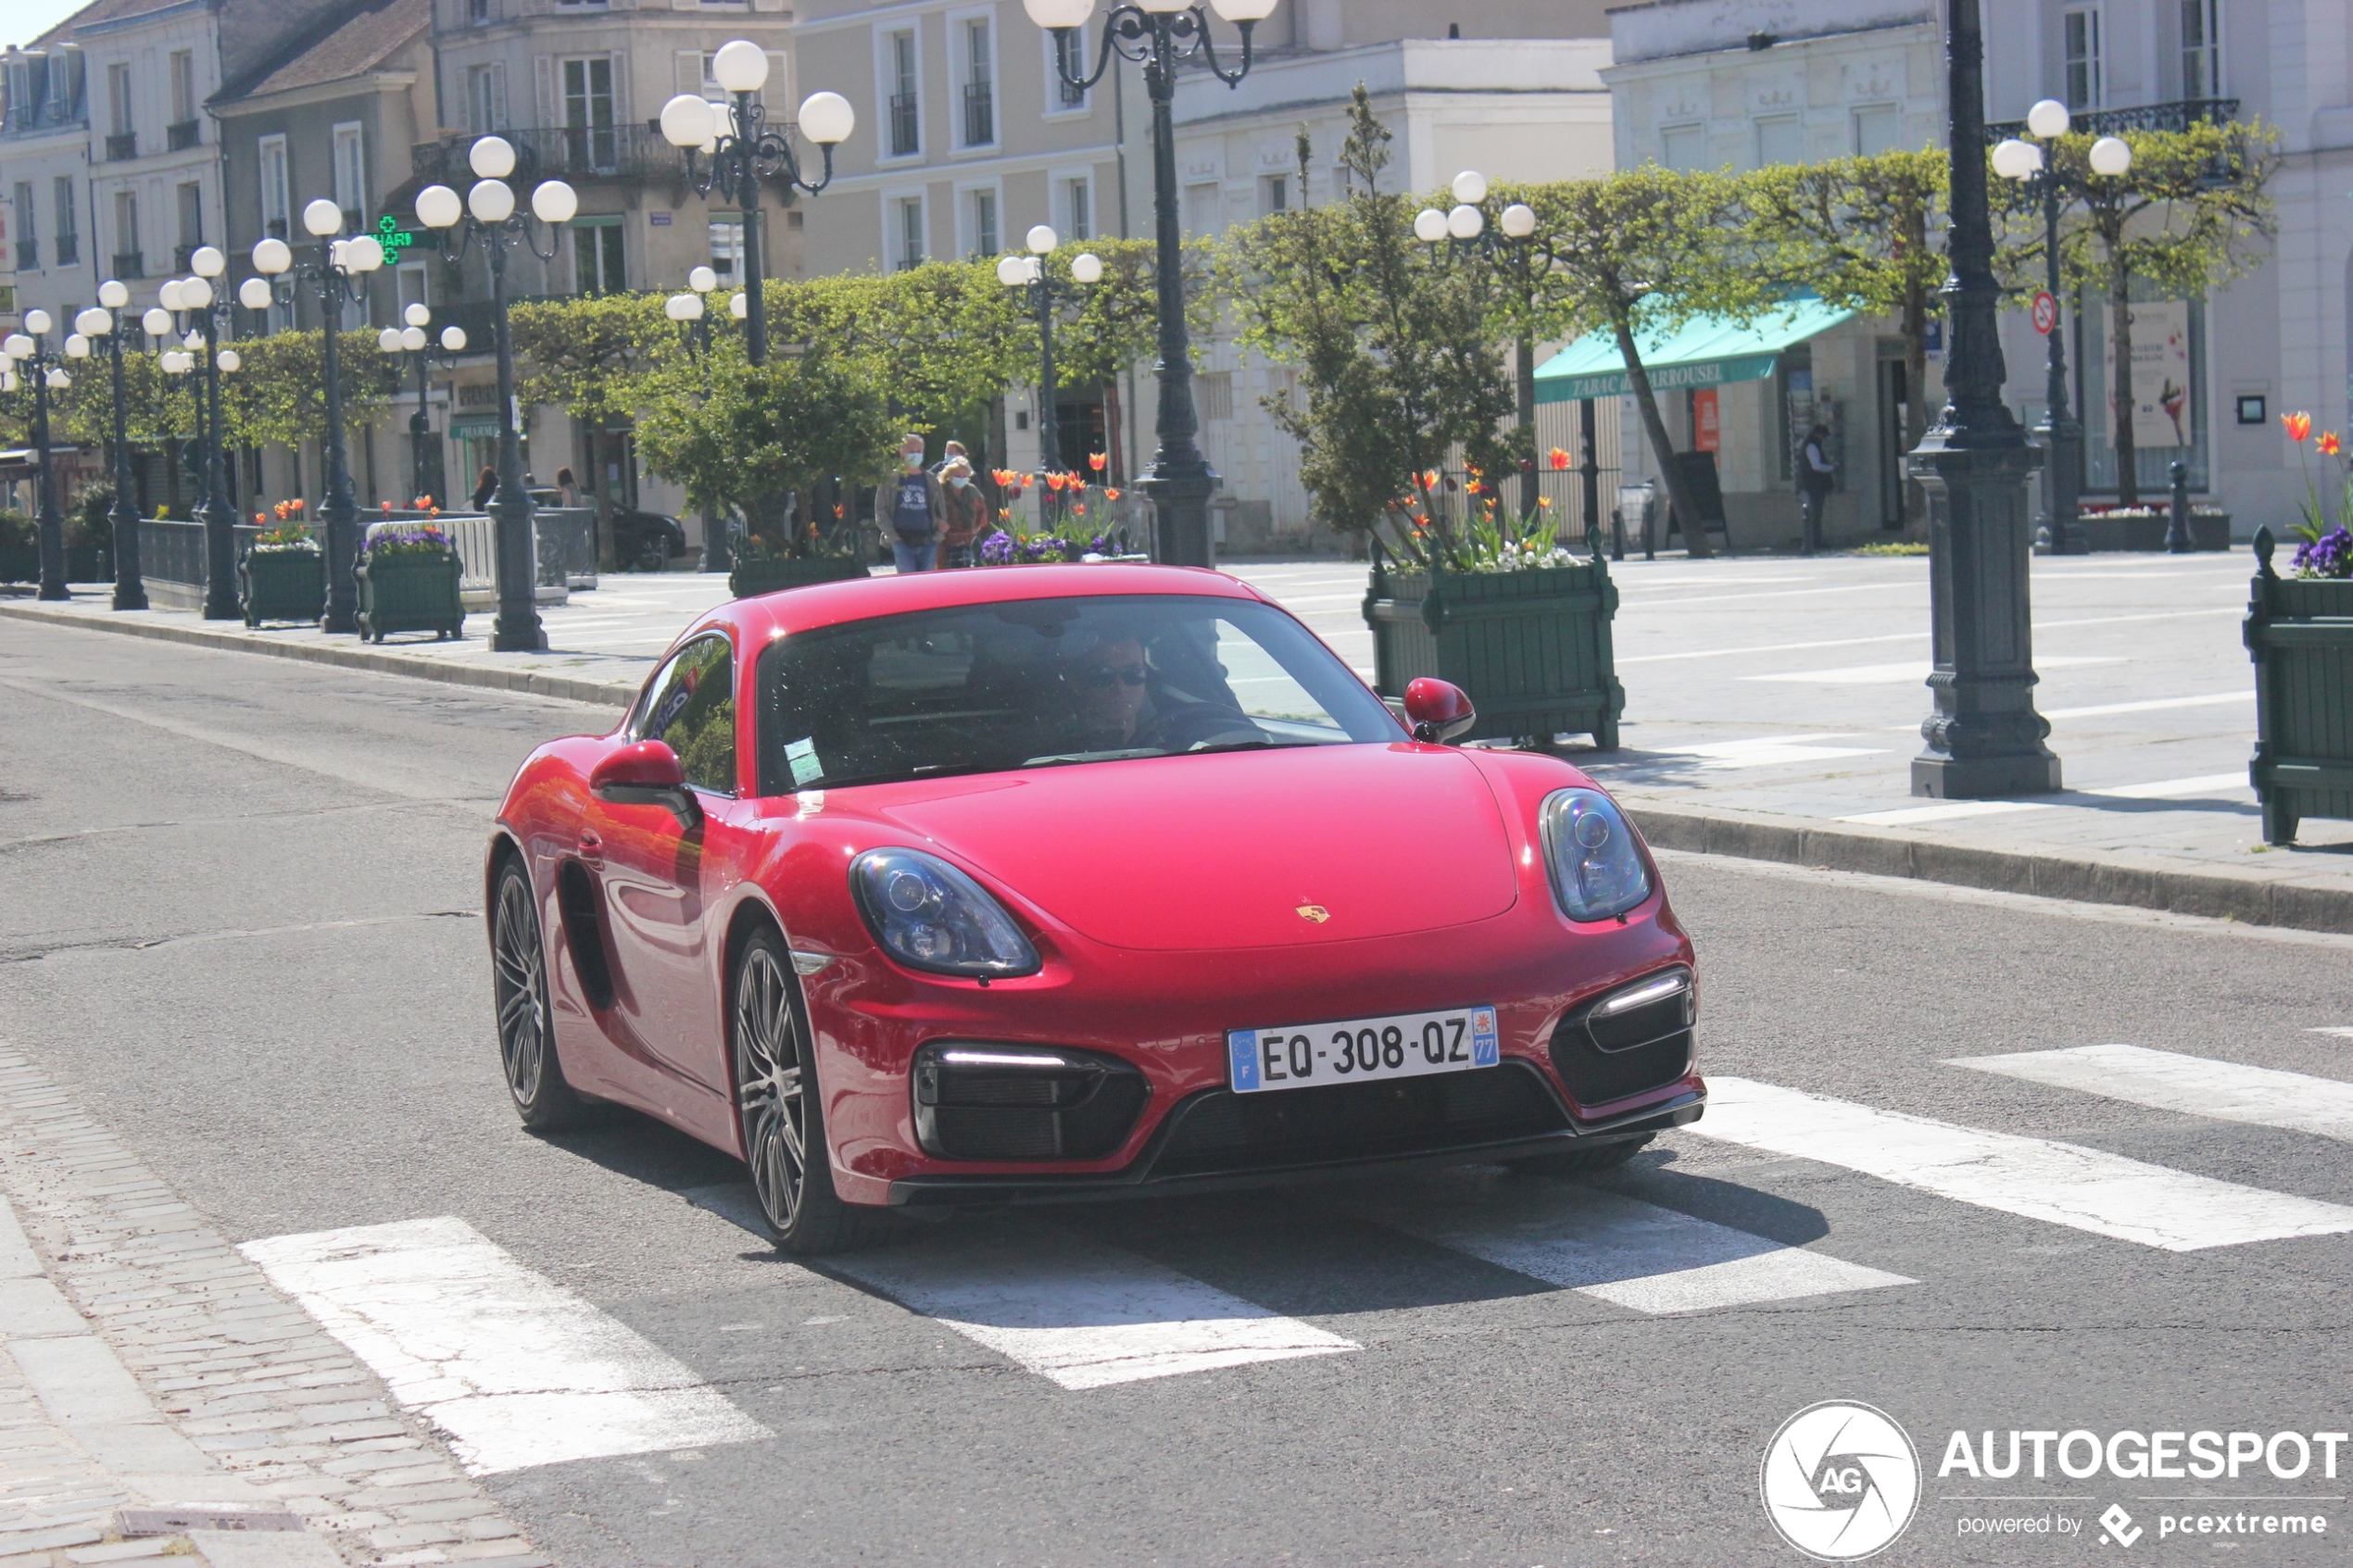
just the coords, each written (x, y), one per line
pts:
(150, 1364)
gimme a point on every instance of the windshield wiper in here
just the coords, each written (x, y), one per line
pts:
(1063, 758)
(1254, 744)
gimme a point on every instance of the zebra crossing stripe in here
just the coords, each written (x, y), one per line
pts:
(517, 1370)
(2085, 1189)
(1083, 1314)
(2227, 1091)
(1622, 1251)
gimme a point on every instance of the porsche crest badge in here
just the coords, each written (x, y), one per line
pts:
(1316, 912)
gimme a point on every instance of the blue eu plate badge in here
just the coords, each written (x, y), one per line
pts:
(1399, 1046)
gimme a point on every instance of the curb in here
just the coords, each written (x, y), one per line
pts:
(2219, 896)
(568, 687)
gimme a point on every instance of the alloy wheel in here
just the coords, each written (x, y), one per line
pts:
(768, 1072)
(522, 980)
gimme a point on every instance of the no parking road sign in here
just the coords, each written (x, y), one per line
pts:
(2045, 313)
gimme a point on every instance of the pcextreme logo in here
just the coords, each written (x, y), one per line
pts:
(1840, 1480)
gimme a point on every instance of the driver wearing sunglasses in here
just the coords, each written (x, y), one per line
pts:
(1114, 704)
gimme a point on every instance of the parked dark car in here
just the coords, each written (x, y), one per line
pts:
(642, 540)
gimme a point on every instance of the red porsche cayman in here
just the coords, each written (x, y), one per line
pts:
(1046, 883)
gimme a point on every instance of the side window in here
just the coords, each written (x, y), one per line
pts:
(692, 707)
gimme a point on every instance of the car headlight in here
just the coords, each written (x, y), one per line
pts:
(931, 916)
(1597, 871)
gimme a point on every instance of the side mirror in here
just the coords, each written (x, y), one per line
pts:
(1437, 710)
(647, 772)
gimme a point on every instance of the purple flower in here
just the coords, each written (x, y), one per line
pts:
(996, 549)
(2329, 556)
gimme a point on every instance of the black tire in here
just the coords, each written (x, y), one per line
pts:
(519, 984)
(781, 1113)
(1581, 1162)
(653, 552)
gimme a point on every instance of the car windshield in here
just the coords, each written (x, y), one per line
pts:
(1050, 682)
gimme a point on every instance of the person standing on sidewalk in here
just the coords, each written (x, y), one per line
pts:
(1816, 475)
(915, 507)
(967, 515)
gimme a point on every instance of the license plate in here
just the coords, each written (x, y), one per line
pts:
(1406, 1045)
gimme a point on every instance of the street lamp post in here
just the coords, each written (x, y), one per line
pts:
(1030, 272)
(200, 297)
(337, 274)
(1984, 737)
(744, 151)
(101, 320)
(1464, 232)
(1159, 35)
(412, 340)
(2062, 531)
(488, 215)
(689, 310)
(48, 372)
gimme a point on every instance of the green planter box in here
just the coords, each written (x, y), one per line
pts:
(407, 592)
(772, 574)
(2104, 531)
(1532, 648)
(20, 563)
(282, 585)
(2299, 632)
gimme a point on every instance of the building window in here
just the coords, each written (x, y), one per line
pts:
(728, 247)
(182, 132)
(980, 85)
(486, 97)
(1214, 391)
(1683, 146)
(130, 261)
(2081, 36)
(477, 13)
(590, 139)
(191, 197)
(1078, 208)
(1876, 129)
(28, 234)
(596, 256)
(907, 238)
(123, 141)
(1204, 207)
(906, 127)
(351, 177)
(2201, 49)
(984, 214)
(1274, 194)
(68, 223)
(1069, 61)
(412, 284)
(1781, 139)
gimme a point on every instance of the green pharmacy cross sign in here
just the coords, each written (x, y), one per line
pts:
(391, 236)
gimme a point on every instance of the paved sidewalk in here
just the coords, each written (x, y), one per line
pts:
(158, 1398)
(1773, 706)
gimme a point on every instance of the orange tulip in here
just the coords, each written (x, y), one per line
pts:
(1429, 480)
(2330, 445)
(1543, 500)
(1080, 509)
(1111, 494)
(2298, 425)
(1097, 460)
(1560, 457)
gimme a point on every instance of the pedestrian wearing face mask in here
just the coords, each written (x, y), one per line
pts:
(915, 507)
(967, 514)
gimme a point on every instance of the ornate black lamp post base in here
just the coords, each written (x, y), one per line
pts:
(1179, 487)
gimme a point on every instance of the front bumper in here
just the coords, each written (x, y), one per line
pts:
(1174, 1161)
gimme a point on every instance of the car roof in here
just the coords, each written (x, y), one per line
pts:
(757, 620)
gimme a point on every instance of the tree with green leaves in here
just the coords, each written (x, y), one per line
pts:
(1865, 234)
(587, 356)
(1642, 252)
(278, 396)
(1394, 348)
(2193, 212)
(739, 436)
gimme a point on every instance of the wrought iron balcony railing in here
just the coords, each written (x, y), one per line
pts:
(123, 145)
(130, 264)
(68, 249)
(622, 153)
(980, 114)
(182, 134)
(28, 255)
(2179, 115)
(906, 139)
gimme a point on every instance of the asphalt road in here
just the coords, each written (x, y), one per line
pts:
(240, 922)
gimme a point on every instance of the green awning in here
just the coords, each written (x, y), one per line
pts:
(1704, 351)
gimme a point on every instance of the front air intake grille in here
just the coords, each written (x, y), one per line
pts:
(1021, 1102)
(1223, 1131)
(1610, 1049)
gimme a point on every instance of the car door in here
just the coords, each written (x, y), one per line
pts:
(659, 876)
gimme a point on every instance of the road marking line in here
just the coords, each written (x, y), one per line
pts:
(1757, 751)
(1890, 674)
(1622, 1251)
(2085, 1189)
(1082, 1314)
(2227, 1091)
(517, 1370)
(2155, 705)
(2163, 789)
(2332, 1029)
